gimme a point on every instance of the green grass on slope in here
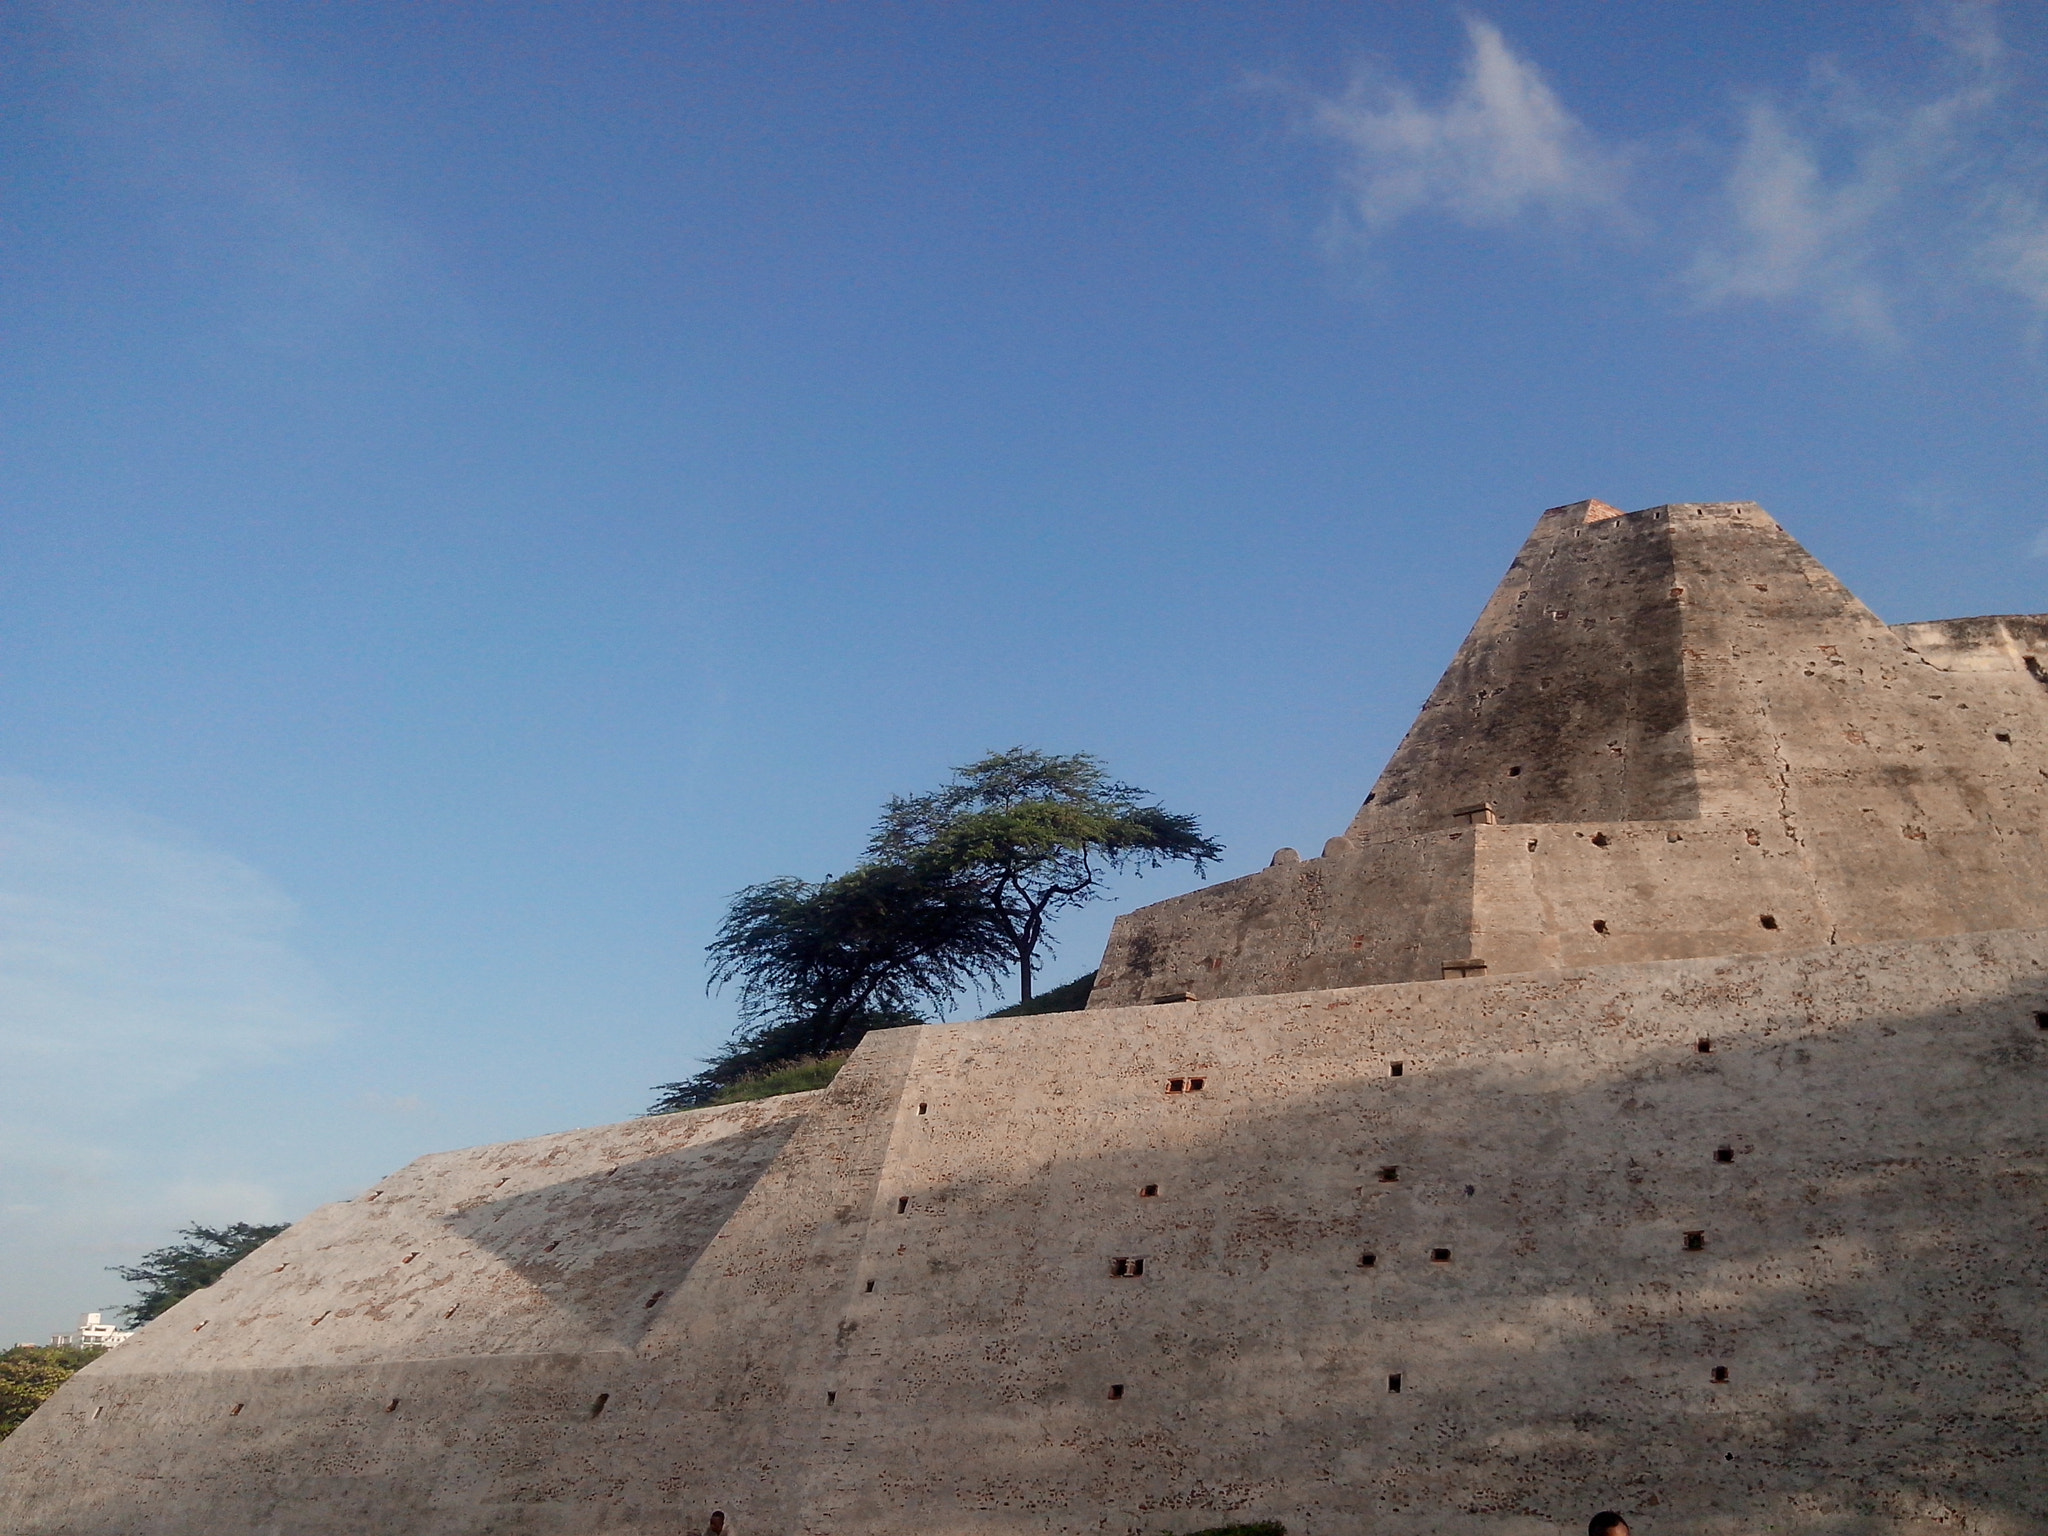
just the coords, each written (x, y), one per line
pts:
(809, 1072)
(800, 1076)
(1071, 998)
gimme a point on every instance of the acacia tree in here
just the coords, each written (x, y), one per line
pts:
(818, 965)
(171, 1274)
(1034, 835)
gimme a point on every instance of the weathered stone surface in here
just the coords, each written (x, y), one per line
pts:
(1872, 1281)
(1739, 1241)
(1682, 725)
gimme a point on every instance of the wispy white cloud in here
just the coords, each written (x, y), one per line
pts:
(2015, 254)
(1498, 148)
(1857, 202)
(1829, 198)
(192, 106)
(135, 963)
(1787, 233)
(135, 959)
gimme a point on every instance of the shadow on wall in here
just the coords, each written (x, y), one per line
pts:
(1869, 1275)
(608, 1247)
(1792, 1284)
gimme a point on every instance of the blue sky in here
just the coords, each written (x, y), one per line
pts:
(484, 482)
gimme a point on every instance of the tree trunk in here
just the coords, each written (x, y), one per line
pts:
(1024, 977)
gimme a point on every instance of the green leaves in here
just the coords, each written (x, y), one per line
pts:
(959, 885)
(885, 938)
(1020, 808)
(819, 965)
(171, 1274)
(1035, 834)
(30, 1374)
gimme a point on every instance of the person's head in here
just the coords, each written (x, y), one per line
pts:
(1607, 1523)
(718, 1523)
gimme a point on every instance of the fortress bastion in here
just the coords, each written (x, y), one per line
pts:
(1641, 1105)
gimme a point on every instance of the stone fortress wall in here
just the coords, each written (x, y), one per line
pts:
(1666, 728)
(1736, 1243)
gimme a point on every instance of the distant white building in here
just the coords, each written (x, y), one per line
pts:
(92, 1334)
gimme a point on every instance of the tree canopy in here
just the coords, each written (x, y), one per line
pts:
(959, 887)
(818, 965)
(30, 1374)
(1034, 835)
(169, 1275)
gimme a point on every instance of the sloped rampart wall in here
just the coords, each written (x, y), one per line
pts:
(911, 1313)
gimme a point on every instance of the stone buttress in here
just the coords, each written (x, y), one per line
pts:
(1670, 733)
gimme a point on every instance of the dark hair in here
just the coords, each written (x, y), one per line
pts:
(1607, 1520)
